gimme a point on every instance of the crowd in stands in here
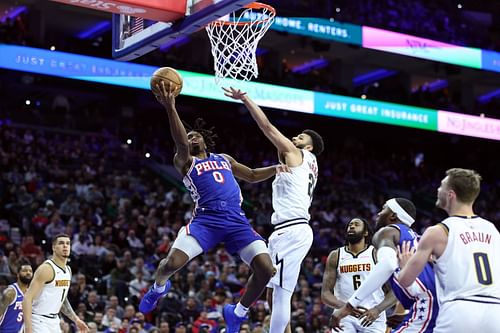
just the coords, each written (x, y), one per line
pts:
(15, 30)
(123, 218)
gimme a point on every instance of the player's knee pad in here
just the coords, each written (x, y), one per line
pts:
(187, 244)
(249, 252)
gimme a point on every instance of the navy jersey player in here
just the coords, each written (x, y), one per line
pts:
(393, 225)
(11, 308)
(217, 216)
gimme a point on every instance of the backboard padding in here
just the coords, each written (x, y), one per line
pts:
(198, 15)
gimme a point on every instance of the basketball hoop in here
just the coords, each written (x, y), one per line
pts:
(234, 41)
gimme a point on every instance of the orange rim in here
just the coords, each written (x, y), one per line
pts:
(253, 5)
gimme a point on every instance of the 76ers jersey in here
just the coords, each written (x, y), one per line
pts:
(352, 270)
(12, 320)
(211, 182)
(425, 282)
(292, 191)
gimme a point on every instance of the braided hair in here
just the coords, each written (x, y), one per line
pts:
(208, 134)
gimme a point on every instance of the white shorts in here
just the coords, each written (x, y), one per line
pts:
(468, 317)
(352, 324)
(288, 247)
(42, 324)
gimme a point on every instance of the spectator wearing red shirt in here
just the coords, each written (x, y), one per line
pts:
(204, 325)
(30, 249)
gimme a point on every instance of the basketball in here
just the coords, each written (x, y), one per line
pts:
(167, 75)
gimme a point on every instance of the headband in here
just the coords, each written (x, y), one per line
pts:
(403, 216)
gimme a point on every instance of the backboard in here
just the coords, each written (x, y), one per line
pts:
(136, 36)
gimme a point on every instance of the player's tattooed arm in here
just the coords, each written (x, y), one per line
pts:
(68, 311)
(8, 296)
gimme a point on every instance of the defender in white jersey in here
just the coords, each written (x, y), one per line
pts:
(292, 237)
(346, 269)
(465, 249)
(47, 293)
(292, 195)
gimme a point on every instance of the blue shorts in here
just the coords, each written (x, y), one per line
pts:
(211, 227)
(421, 318)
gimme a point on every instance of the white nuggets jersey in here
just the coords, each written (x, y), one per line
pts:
(469, 268)
(54, 293)
(352, 270)
(292, 191)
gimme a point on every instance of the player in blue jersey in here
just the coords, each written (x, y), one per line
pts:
(393, 225)
(11, 309)
(217, 217)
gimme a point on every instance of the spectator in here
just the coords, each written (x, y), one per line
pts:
(139, 266)
(30, 250)
(180, 328)
(164, 327)
(137, 286)
(110, 320)
(55, 227)
(119, 278)
(94, 304)
(190, 310)
(99, 320)
(113, 303)
(129, 312)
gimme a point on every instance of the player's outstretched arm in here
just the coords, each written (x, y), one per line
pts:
(182, 158)
(256, 175)
(8, 296)
(281, 142)
(43, 274)
(413, 264)
(68, 311)
(329, 281)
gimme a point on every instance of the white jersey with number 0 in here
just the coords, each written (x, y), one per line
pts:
(292, 191)
(469, 268)
(54, 293)
(352, 270)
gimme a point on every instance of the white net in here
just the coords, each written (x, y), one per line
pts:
(234, 41)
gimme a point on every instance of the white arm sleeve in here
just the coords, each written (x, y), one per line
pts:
(387, 264)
